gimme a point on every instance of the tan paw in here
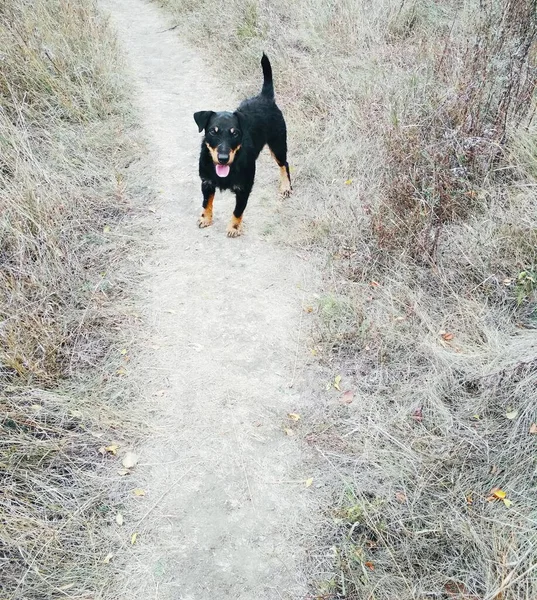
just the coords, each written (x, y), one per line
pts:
(285, 191)
(234, 229)
(205, 220)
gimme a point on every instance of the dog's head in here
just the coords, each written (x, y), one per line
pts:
(224, 133)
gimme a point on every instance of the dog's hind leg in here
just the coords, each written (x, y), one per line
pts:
(208, 190)
(278, 149)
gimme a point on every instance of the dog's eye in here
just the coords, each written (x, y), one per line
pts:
(213, 130)
(234, 132)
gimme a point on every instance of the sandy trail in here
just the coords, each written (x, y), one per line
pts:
(225, 480)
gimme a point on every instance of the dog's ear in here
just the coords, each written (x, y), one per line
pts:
(243, 119)
(202, 118)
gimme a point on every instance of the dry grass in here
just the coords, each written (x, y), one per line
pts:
(415, 169)
(67, 260)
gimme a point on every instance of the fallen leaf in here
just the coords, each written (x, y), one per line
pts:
(469, 500)
(121, 371)
(130, 460)
(511, 414)
(454, 588)
(308, 309)
(123, 351)
(151, 209)
(533, 428)
(347, 397)
(294, 416)
(134, 537)
(337, 381)
(400, 497)
(348, 181)
(289, 431)
(507, 502)
(308, 482)
(496, 494)
(417, 415)
(171, 311)
(106, 229)
(375, 284)
(123, 472)
(108, 558)
(370, 566)
(139, 492)
(112, 449)
(160, 393)
(447, 336)
(313, 351)
(119, 519)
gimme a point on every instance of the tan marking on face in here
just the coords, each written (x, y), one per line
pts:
(232, 154)
(206, 218)
(234, 229)
(214, 153)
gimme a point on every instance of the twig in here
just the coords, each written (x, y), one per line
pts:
(243, 466)
(164, 495)
(292, 382)
(169, 29)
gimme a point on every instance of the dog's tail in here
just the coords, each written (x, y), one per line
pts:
(268, 86)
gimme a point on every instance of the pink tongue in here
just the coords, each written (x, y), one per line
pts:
(222, 170)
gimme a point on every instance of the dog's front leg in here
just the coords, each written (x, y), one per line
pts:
(234, 229)
(207, 189)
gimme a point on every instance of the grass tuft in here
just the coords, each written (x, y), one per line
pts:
(67, 262)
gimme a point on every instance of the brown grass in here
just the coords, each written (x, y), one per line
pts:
(413, 146)
(67, 262)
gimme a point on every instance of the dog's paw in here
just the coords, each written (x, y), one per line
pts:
(285, 187)
(285, 192)
(205, 221)
(234, 229)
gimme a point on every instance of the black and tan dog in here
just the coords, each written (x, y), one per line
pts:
(231, 145)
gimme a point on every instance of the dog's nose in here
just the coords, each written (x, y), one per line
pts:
(223, 158)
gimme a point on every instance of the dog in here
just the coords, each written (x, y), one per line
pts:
(230, 147)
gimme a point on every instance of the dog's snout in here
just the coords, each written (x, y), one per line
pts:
(223, 158)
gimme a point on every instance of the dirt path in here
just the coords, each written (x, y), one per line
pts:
(222, 475)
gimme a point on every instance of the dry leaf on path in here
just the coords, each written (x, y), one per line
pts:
(370, 566)
(400, 497)
(289, 431)
(119, 519)
(447, 336)
(533, 428)
(130, 460)
(134, 537)
(511, 414)
(294, 416)
(337, 381)
(417, 415)
(347, 397)
(112, 449)
(123, 472)
(138, 492)
(496, 494)
(108, 558)
(308, 482)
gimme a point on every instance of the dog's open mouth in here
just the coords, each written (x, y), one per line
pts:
(222, 170)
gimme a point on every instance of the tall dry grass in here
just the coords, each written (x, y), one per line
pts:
(412, 139)
(67, 257)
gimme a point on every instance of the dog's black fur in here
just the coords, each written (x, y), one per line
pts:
(236, 139)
